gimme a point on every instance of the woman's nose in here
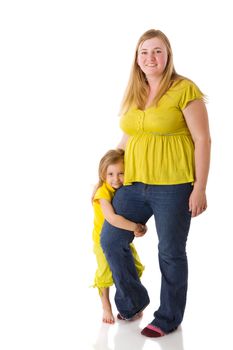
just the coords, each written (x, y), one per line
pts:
(151, 55)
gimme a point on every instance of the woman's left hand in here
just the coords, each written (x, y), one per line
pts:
(197, 202)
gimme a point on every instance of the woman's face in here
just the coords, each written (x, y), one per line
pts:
(152, 57)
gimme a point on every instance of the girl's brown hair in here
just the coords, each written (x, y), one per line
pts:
(113, 156)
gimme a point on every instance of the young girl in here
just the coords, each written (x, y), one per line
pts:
(111, 176)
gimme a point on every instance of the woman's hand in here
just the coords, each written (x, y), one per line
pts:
(197, 202)
(140, 230)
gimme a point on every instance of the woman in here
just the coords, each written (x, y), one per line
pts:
(167, 152)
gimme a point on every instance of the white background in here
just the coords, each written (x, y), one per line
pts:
(64, 66)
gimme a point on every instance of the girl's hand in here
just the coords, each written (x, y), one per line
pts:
(197, 202)
(140, 230)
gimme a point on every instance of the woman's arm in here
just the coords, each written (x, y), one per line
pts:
(118, 220)
(123, 141)
(197, 120)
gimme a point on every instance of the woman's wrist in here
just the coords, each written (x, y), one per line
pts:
(199, 187)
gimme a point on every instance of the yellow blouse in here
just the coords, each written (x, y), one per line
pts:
(160, 150)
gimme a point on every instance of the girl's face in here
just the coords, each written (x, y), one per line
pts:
(152, 57)
(115, 175)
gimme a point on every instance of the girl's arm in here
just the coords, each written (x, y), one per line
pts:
(197, 120)
(118, 220)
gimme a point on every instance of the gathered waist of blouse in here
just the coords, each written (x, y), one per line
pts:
(154, 133)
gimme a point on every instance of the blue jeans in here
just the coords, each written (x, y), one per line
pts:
(169, 205)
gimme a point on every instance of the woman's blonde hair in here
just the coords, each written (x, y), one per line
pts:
(136, 92)
(113, 156)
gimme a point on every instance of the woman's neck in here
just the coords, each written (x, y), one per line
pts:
(153, 89)
(153, 83)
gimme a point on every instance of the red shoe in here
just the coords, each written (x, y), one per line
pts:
(152, 331)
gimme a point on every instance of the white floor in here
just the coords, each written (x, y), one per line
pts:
(124, 336)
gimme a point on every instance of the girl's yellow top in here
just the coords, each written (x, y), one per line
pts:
(103, 192)
(160, 149)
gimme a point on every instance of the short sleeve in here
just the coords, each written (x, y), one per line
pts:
(103, 193)
(189, 92)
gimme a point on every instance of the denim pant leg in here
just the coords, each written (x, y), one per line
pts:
(172, 219)
(131, 296)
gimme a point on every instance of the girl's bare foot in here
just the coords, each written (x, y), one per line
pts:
(108, 317)
(107, 309)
